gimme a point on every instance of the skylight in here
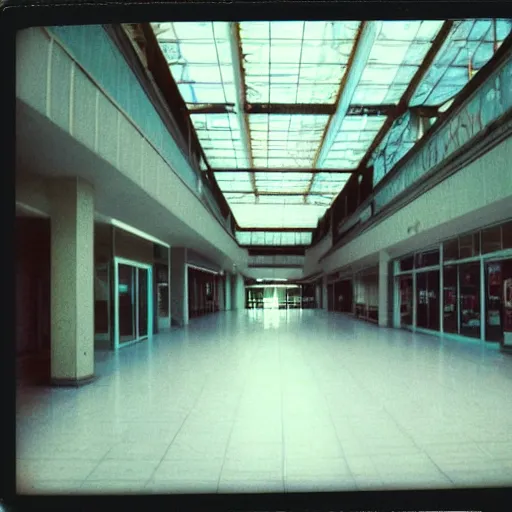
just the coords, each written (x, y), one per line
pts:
(293, 76)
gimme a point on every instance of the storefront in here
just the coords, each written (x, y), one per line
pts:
(366, 294)
(203, 291)
(461, 287)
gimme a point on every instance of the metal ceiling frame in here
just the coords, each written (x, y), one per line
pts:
(288, 170)
(280, 194)
(403, 104)
(365, 39)
(275, 230)
(292, 109)
(367, 34)
(239, 75)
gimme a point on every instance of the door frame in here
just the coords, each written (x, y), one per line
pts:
(149, 291)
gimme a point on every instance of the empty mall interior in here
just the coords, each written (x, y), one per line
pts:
(264, 256)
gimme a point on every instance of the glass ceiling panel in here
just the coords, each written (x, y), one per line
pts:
(273, 238)
(321, 200)
(304, 62)
(219, 135)
(353, 141)
(469, 45)
(234, 181)
(233, 198)
(394, 59)
(329, 183)
(274, 199)
(283, 140)
(199, 58)
(277, 216)
(296, 62)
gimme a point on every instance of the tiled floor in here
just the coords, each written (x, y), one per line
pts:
(275, 401)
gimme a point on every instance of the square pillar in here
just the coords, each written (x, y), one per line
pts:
(221, 293)
(72, 281)
(325, 302)
(238, 292)
(385, 304)
(227, 291)
(179, 286)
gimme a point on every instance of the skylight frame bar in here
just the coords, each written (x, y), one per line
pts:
(238, 71)
(402, 106)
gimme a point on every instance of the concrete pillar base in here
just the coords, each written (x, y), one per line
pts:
(73, 383)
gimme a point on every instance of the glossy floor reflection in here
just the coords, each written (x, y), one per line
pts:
(274, 401)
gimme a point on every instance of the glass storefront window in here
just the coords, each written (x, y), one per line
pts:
(407, 263)
(491, 240)
(450, 306)
(469, 245)
(427, 258)
(507, 235)
(406, 300)
(494, 285)
(427, 302)
(451, 250)
(469, 275)
(499, 300)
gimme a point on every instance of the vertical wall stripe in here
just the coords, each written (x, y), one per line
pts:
(49, 79)
(441, 288)
(483, 294)
(141, 172)
(71, 96)
(118, 140)
(97, 121)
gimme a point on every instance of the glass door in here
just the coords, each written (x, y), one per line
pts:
(469, 276)
(499, 301)
(126, 295)
(133, 302)
(142, 302)
(406, 300)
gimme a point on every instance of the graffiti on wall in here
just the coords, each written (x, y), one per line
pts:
(397, 142)
(491, 101)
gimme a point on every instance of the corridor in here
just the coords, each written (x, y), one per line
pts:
(274, 401)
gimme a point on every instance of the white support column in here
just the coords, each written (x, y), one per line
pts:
(179, 285)
(325, 301)
(72, 281)
(384, 303)
(318, 295)
(169, 285)
(227, 290)
(238, 292)
(222, 294)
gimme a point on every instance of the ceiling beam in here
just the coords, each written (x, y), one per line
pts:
(239, 76)
(284, 194)
(403, 105)
(368, 31)
(275, 230)
(298, 170)
(292, 109)
(366, 36)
